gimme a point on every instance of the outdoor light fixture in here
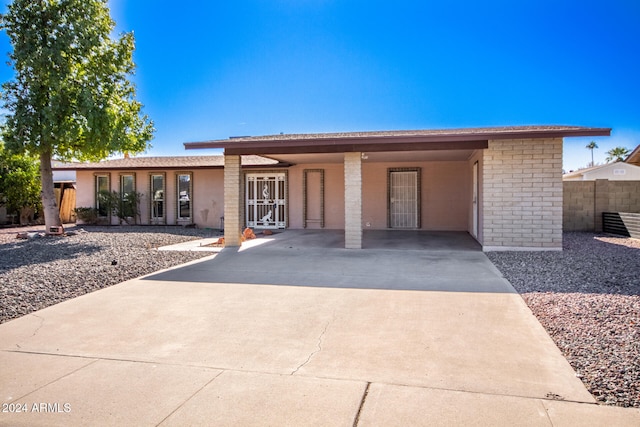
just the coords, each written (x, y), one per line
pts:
(364, 156)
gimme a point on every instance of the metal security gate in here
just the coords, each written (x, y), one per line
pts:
(403, 199)
(266, 200)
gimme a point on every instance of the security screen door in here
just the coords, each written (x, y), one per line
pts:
(266, 200)
(403, 199)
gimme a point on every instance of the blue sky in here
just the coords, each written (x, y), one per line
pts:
(214, 69)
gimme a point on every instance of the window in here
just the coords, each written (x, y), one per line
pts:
(185, 188)
(127, 185)
(102, 187)
(157, 198)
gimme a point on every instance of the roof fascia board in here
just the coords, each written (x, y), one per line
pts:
(413, 139)
(170, 168)
(144, 168)
(349, 148)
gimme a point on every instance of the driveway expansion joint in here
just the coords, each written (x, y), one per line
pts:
(190, 397)
(56, 379)
(356, 420)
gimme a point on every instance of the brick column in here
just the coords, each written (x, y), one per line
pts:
(232, 201)
(352, 201)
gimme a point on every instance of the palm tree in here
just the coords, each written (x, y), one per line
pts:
(617, 154)
(591, 146)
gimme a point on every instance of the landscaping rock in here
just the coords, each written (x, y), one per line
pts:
(37, 273)
(588, 299)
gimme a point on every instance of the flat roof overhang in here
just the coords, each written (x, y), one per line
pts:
(420, 140)
(369, 146)
(168, 168)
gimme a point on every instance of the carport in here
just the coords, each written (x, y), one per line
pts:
(503, 185)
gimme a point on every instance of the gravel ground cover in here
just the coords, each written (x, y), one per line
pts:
(588, 299)
(40, 272)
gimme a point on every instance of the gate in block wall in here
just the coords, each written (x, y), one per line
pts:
(266, 200)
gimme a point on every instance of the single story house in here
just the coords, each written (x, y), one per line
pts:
(618, 171)
(502, 185)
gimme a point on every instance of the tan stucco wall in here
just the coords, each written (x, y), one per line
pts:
(446, 194)
(522, 200)
(84, 191)
(333, 195)
(207, 198)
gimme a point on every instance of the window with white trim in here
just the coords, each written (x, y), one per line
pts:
(157, 198)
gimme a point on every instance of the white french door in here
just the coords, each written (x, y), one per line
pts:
(403, 203)
(266, 200)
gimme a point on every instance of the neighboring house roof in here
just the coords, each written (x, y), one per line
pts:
(634, 157)
(58, 164)
(618, 171)
(174, 162)
(433, 139)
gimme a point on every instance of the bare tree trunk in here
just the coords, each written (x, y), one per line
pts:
(51, 211)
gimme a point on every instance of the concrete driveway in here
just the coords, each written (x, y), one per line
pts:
(292, 331)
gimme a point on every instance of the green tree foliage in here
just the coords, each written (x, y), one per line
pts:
(591, 146)
(617, 154)
(19, 182)
(71, 97)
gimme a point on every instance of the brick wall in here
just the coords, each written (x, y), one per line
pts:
(522, 200)
(232, 201)
(578, 206)
(353, 201)
(584, 202)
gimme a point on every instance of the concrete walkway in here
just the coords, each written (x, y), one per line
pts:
(293, 332)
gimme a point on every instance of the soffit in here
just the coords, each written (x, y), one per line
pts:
(377, 157)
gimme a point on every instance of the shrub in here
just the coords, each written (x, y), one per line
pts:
(125, 207)
(87, 215)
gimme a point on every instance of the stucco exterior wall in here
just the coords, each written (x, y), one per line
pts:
(445, 188)
(207, 198)
(618, 171)
(85, 189)
(522, 200)
(333, 195)
(445, 192)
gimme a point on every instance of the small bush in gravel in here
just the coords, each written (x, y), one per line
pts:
(87, 215)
